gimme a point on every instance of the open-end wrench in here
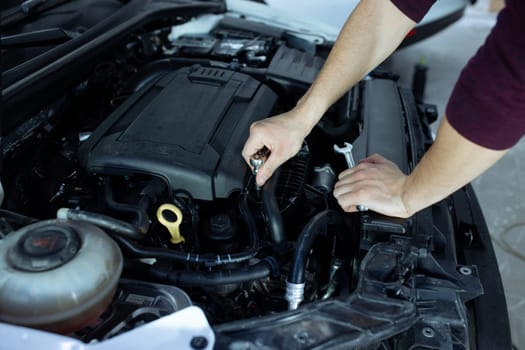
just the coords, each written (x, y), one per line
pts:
(346, 151)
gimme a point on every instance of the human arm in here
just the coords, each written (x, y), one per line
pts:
(450, 163)
(371, 33)
(485, 118)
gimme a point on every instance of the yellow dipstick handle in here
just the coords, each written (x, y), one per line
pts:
(172, 226)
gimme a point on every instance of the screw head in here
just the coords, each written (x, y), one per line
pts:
(465, 271)
(428, 332)
(199, 342)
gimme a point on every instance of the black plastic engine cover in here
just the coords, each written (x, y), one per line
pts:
(188, 128)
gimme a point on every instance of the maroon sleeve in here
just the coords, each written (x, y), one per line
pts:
(487, 105)
(414, 9)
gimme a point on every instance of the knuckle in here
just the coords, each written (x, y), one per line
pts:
(255, 126)
(361, 194)
(361, 167)
(359, 176)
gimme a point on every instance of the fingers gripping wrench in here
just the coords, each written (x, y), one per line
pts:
(257, 160)
(256, 164)
(346, 151)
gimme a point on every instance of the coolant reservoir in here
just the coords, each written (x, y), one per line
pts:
(57, 275)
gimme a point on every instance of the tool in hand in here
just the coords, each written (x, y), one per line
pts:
(346, 151)
(257, 160)
(256, 164)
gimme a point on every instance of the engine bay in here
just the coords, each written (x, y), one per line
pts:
(144, 151)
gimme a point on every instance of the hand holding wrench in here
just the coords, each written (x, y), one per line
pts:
(257, 160)
(346, 150)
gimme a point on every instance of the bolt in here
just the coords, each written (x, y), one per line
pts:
(199, 342)
(465, 271)
(428, 332)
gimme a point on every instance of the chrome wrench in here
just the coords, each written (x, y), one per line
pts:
(346, 151)
(257, 160)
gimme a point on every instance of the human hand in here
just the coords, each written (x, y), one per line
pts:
(282, 134)
(375, 183)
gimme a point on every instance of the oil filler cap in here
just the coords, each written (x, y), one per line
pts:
(44, 248)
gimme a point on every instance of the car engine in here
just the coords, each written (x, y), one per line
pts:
(126, 199)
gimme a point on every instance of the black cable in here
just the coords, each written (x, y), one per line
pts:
(313, 229)
(272, 212)
(121, 228)
(141, 220)
(18, 218)
(140, 251)
(262, 269)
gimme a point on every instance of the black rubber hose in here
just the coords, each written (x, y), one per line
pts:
(186, 278)
(17, 218)
(305, 242)
(139, 251)
(272, 212)
(118, 226)
(141, 220)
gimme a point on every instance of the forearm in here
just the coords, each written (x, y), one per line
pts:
(451, 162)
(377, 183)
(371, 33)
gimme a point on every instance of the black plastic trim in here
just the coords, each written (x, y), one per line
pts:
(491, 316)
(424, 31)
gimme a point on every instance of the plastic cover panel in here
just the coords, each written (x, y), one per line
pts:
(188, 128)
(384, 129)
(295, 66)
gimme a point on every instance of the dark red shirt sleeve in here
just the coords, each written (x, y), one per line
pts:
(414, 9)
(487, 105)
